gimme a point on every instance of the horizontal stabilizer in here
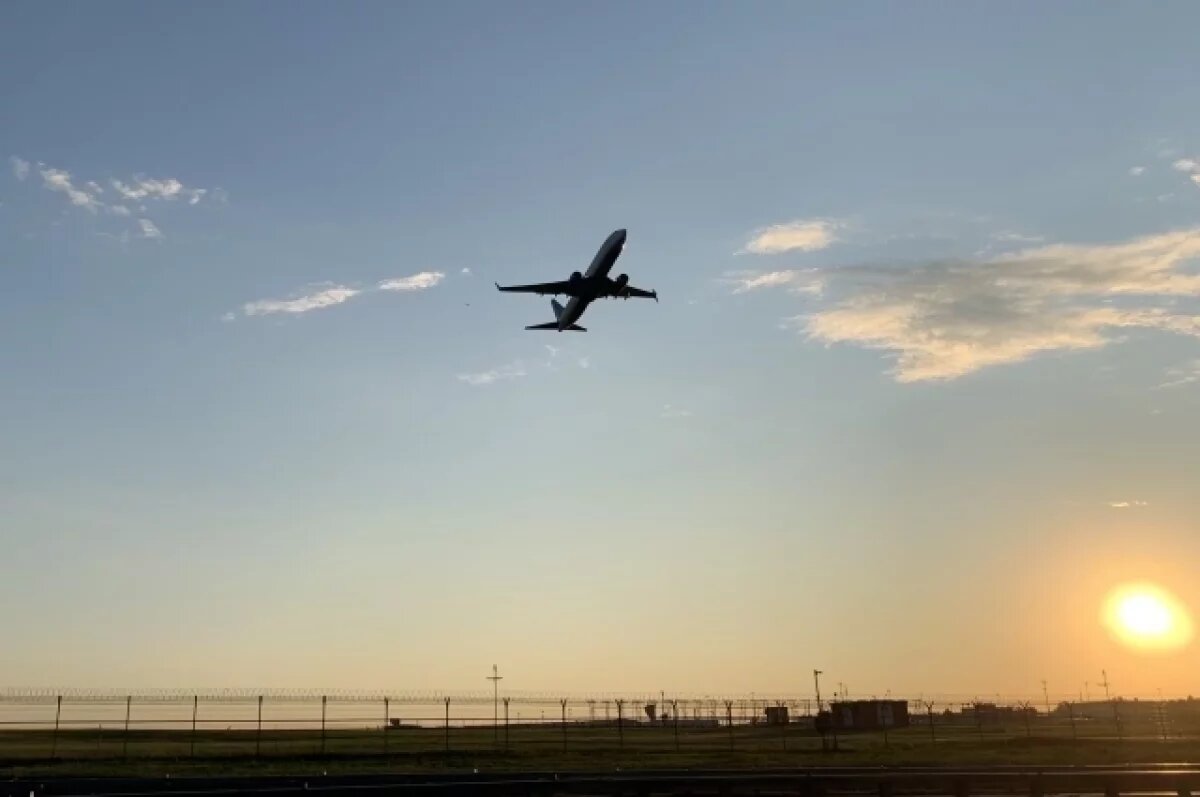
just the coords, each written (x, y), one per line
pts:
(554, 325)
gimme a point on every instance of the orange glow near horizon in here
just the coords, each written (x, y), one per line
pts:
(1146, 617)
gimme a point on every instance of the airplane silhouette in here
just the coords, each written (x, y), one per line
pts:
(585, 288)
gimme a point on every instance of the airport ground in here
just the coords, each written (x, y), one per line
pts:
(547, 748)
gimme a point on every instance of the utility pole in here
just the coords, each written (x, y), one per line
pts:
(495, 678)
(1107, 695)
(1046, 694)
(817, 681)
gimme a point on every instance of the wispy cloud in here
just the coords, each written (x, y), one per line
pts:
(943, 320)
(510, 371)
(1187, 374)
(466, 272)
(669, 411)
(327, 297)
(1190, 167)
(806, 281)
(803, 235)
(149, 229)
(59, 180)
(331, 294)
(417, 282)
(1008, 236)
(127, 197)
(168, 189)
(1137, 171)
(1127, 504)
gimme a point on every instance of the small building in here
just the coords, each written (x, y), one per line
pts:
(777, 715)
(869, 715)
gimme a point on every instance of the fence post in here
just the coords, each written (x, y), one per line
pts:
(675, 717)
(564, 723)
(932, 732)
(125, 738)
(387, 718)
(1071, 714)
(54, 740)
(729, 719)
(447, 725)
(506, 724)
(195, 709)
(621, 722)
(324, 700)
(258, 732)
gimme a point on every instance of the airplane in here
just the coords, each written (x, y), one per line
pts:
(585, 288)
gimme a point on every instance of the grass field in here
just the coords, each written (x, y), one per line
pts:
(581, 748)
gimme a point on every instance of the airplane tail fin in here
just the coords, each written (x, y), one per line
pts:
(558, 311)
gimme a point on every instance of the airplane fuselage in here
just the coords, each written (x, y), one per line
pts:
(595, 282)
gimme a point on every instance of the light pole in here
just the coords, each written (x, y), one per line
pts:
(817, 682)
(495, 678)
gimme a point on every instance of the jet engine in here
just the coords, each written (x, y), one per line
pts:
(576, 276)
(619, 285)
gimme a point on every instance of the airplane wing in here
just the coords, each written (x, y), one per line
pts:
(540, 288)
(638, 293)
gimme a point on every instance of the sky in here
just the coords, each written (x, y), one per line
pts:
(918, 394)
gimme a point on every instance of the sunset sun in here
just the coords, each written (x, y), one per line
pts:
(1147, 617)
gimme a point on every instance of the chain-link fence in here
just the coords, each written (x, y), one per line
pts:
(41, 726)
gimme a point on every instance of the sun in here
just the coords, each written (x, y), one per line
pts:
(1147, 617)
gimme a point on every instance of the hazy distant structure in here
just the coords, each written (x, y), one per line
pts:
(585, 288)
(776, 715)
(869, 715)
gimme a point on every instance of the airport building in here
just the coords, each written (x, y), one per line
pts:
(869, 715)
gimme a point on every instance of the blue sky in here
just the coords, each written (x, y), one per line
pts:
(918, 393)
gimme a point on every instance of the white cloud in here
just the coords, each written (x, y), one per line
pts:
(554, 350)
(228, 317)
(327, 297)
(466, 271)
(944, 320)
(1190, 167)
(804, 235)
(806, 281)
(20, 167)
(1126, 504)
(1008, 236)
(119, 210)
(417, 282)
(1187, 374)
(337, 294)
(59, 180)
(149, 229)
(510, 371)
(675, 412)
(168, 189)
(585, 362)
(1137, 171)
